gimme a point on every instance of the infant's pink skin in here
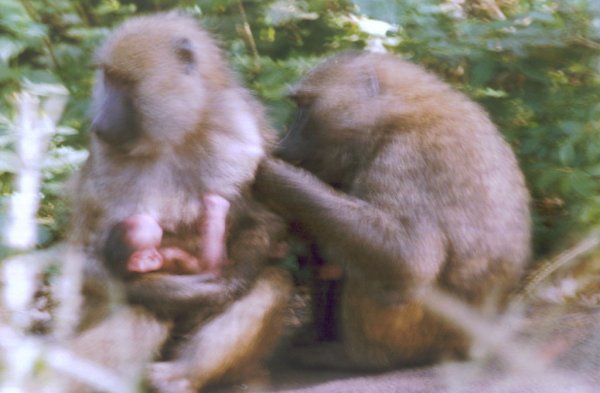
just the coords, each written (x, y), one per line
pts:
(279, 250)
(142, 231)
(178, 261)
(213, 228)
(146, 260)
(143, 235)
(330, 272)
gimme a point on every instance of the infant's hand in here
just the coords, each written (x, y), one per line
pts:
(144, 261)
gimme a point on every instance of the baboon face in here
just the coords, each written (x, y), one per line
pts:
(335, 118)
(137, 62)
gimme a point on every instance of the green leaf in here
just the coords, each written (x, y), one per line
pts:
(9, 161)
(567, 154)
(584, 184)
(9, 48)
(482, 71)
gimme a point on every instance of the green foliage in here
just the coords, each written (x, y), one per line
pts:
(533, 64)
(536, 72)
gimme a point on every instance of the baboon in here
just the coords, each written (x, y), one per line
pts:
(406, 184)
(170, 127)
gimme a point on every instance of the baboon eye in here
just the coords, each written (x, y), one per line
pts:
(183, 49)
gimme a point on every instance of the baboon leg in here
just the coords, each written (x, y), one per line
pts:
(228, 346)
(380, 336)
(123, 344)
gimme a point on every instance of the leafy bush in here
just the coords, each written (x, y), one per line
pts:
(532, 64)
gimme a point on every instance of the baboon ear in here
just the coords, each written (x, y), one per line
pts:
(185, 53)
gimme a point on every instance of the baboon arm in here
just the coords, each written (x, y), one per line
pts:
(167, 293)
(372, 240)
(249, 250)
(233, 342)
(252, 246)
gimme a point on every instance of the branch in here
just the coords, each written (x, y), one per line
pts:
(248, 32)
(586, 245)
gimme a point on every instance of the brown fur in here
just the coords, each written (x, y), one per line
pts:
(170, 125)
(411, 186)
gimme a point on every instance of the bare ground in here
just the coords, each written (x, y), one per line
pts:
(451, 378)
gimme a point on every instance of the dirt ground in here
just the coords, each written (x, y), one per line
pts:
(567, 361)
(464, 377)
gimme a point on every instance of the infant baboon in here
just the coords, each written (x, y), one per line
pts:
(171, 128)
(137, 240)
(406, 184)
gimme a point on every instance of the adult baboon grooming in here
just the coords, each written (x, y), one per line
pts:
(171, 125)
(410, 186)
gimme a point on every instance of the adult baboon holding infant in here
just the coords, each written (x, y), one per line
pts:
(409, 186)
(173, 134)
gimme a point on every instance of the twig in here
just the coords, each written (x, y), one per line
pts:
(491, 8)
(38, 108)
(586, 42)
(82, 11)
(586, 245)
(84, 370)
(248, 32)
(47, 43)
(36, 122)
(496, 337)
(64, 361)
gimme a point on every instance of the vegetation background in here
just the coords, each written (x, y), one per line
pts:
(533, 64)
